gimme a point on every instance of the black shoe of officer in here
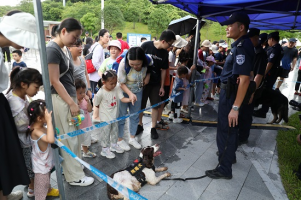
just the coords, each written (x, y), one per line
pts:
(140, 129)
(154, 134)
(233, 162)
(258, 113)
(215, 174)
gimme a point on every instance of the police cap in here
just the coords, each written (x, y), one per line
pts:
(253, 32)
(263, 38)
(274, 35)
(237, 17)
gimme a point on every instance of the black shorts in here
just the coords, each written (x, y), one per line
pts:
(166, 94)
(151, 92)
(284, 73)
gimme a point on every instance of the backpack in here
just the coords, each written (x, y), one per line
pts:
(128, 68)
(89, 64)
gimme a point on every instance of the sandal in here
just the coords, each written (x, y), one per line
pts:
(162, 126)
(296, 93)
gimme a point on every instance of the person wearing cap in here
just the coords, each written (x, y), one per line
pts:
(17, 29)
(283, 43)
(263, 40)
(238, 65)
(154, 90)
(289, 60)
(115, 48)
(260, 62)
(274, 54)
(85, 38)
(124, 44)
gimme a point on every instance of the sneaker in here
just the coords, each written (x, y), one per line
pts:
(216, 97)
(15, 195)
(122, 144)
(116, 148)
(154, 134)
(171, 116)
(94, 141)
(30, 193)
(53, 193)
(140, 129)
(83, 182)
(199, 104)
(177, 120)
(106, 152)
(89, 154)
(162, 126)
(134, 143)
(184, 110)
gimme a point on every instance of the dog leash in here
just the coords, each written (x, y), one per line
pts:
(200, 177)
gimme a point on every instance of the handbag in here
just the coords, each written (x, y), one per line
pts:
(89, 64)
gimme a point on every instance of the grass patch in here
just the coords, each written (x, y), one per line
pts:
(290, 157)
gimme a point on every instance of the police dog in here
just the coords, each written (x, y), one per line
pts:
(278, 103)
(141, 171)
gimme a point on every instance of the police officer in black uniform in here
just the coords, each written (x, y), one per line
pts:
(275, 54)
(260, 63)
(263, 40)
(238, 65)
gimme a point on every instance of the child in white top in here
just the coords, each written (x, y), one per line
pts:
(42, 154)
(106, 100)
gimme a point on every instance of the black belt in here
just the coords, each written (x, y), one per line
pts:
(223, 86)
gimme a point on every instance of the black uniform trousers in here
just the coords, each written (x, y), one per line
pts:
(226, 137)
(269, 83)
(245, 121)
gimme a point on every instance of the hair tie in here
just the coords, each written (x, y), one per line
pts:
(28, 127)
(31, 109)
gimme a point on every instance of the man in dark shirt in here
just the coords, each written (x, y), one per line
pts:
(274, 54)
(238, 65)
(260, 62)
(290, 55)
(154, 90)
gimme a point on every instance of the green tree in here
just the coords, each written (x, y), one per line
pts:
(52, 10)
(158, 21)
(133, 12)
(113, 18)
(79, 9)
(89, 22)
(5, 9)
(26, 6)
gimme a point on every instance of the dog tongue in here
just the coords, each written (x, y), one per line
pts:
(157, 153)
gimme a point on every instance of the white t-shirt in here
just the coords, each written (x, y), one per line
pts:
(108, 103)
(3, 74)
(171, 59)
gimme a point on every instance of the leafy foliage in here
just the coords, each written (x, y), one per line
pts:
(158, 21)
(113, 18)
(52, 10)
(89, 21)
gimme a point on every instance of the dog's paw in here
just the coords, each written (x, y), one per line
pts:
(164, 168)
(168, 174)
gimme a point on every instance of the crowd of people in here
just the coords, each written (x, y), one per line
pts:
(122, 80)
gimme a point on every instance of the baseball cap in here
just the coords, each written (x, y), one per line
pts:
(237, 17)
(21, 29)
(114, 43)
(206, 43)
(179, 42)
(210, 58)
(214, 48)
(292, 40)
(263, 37)
(87, 32)
(224, 45)
(253, 32)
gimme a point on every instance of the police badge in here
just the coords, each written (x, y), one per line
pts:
(240, 59)
(272, 55)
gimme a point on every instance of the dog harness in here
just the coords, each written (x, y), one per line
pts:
(136, 168)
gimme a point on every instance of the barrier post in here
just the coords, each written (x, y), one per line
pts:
(46, 83)
(195, 59)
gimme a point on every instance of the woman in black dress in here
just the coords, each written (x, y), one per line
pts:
(17, 29)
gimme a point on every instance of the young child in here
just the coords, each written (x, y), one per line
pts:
(115, 48)
(106, 100)
(42, 155)
(17, 56)
(84, 104)
(178, 86)
(24, 82)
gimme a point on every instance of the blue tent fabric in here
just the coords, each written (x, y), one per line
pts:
(264, 14)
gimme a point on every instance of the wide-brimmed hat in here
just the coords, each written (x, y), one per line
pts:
(214, 48)
(224, 45)
(210, 59)
(114, 43)
(179, 42)
(206, 43)
(20, 28)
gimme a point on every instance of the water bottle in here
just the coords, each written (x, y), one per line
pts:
(77, 120)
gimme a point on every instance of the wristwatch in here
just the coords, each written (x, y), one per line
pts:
(90, 89)
(235, 108)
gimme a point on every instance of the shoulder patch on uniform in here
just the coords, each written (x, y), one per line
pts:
(272, 55)
(240, 59)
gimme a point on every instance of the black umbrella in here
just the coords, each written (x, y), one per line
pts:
(184, 25)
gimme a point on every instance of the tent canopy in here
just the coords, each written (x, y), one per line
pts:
(264, 14)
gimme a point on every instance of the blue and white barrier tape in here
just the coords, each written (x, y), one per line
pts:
(205, 79)
(102, 124)
(130, 194)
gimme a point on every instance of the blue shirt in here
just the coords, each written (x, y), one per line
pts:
(177, 83)
(239, 61)
(21, 64)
